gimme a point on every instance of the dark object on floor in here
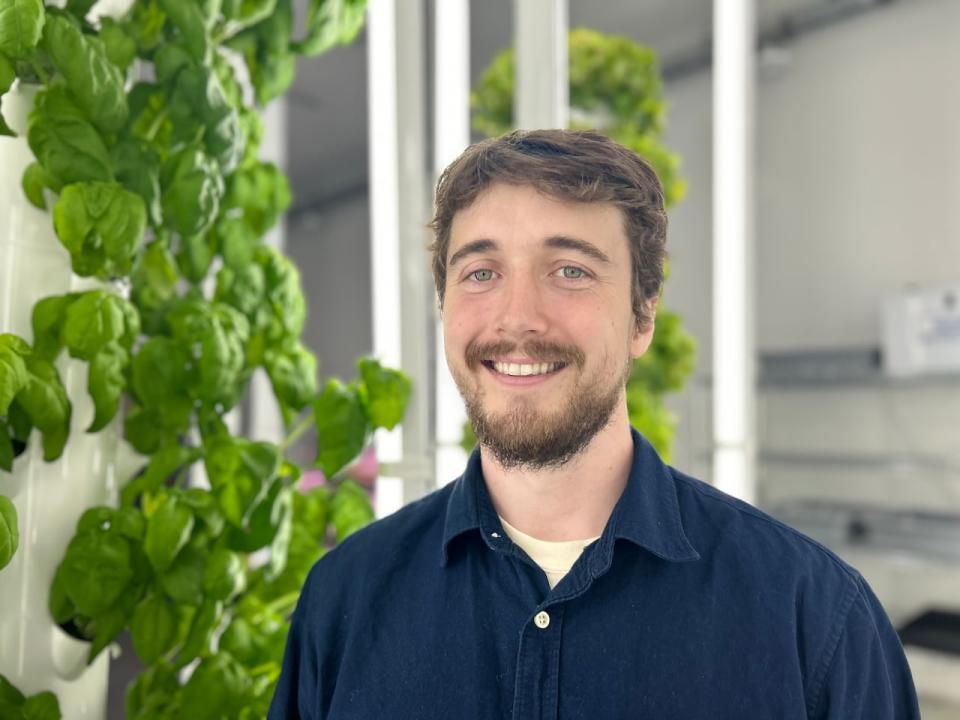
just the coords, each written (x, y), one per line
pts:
(935, 629)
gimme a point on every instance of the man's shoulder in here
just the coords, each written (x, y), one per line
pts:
(729, 530)
(412, 534)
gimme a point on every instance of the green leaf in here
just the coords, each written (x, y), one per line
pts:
(205, 622)
(21, 25)
(204, 506)
(137, 168)
(9, 534)
(187, 17)
(225, 576)
(386, 393)
(199, 99)
(341, 426)
(331, 23)
(242, 288)
(283, 293)
(101, 225)
(93, 320)
(350, 509)
(162, 466)
(7, 75)
(6, 448)
(217, 335)
(59, 603)
(96, 569)
(159, 371)
(13, 369)
(240, 472)
(168, 530)
(216, 689)
(154, 693)
(79, 8)
(145, 25)
(67, 145)
(265, 520)
(106, 382)
(94, 82)
(184, 580)
(45, 402)
(96, 519)
(154, 283)
(120, 47)
(293, 373)
(237, 242)
(192, 189)
(153, 628)
(130, 523)
(42, 706)
(244, 13)
(266, 49)
(109, 625)
(194, 257)
(9, 695)
(262, 192)
(35, 181)
(47, 320)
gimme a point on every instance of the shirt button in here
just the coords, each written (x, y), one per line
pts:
(541, 620)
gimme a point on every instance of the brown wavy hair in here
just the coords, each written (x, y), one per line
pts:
(573, 165)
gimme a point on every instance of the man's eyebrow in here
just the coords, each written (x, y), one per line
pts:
(471, 248)
(568, 243)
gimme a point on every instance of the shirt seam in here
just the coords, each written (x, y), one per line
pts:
(818, 685)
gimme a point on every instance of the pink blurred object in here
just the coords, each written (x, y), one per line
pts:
(311, 479)
(364, 470)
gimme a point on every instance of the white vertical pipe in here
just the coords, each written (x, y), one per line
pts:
(402, 296)
(734, 342)
(264, 421)
(541, 91)
(451, 123)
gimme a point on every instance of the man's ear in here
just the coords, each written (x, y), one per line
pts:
(643, 334)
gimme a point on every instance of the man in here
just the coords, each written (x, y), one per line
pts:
(569, 573)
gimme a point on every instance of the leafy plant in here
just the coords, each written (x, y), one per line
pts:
(14, 705)
(145, 147)
(615, 88)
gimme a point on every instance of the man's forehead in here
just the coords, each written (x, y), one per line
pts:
(485, 225)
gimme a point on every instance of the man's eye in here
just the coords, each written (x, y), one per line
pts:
(482, 275)
(571, 272)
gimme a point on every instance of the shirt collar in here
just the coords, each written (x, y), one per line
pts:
(647, 513)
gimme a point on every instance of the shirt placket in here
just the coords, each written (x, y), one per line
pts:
(538, 665)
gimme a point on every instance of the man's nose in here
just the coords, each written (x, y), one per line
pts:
(523, 310)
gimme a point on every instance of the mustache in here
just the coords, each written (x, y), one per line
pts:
(536, 350)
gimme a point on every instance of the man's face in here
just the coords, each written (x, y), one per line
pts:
(538, 328)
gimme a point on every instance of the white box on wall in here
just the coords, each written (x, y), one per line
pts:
(921, 332)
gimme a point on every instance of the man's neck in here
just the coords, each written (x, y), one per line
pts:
(572, 502)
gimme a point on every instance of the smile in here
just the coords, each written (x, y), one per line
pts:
(523, 369)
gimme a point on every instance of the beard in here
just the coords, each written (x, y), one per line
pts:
(524, 436)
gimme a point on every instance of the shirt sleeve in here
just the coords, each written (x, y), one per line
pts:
(866, 673)
(298, 685)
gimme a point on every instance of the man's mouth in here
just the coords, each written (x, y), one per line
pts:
(524, 369)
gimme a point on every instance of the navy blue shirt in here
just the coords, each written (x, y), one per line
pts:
(691, 604)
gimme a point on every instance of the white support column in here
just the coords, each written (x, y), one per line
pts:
(402, 290)
(541, 90)
(264, 421)
(734, 342)
(451, 123)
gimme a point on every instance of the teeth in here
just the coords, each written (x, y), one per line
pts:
(525, 369)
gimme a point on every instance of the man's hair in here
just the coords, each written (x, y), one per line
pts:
(575, 165)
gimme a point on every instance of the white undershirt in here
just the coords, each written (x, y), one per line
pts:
(555, 558)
